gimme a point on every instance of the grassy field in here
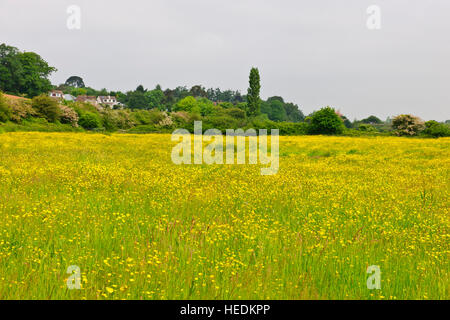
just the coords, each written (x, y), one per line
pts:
(140, 227)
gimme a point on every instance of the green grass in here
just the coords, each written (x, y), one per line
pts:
(140, 227)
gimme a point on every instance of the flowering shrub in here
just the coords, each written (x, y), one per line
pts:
(68, 115)
(407, 125)
(166, 121)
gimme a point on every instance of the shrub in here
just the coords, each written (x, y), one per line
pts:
(90, 120)
(38, 124)
(118, 119)
(407, 125)
(206, 106)
(144, 129)
(156, 116)
(46, 108)
(436, 129)
(109, 121)
(21, 110)
(5, 109)
(124, 119)
(68, 115)
(187, 104)
(185, 120)
(220, 122)
(325, 121)
(290, 128)
(82, 107)
(236, 113)
(367, 128)
(141, 117)
(166, 121)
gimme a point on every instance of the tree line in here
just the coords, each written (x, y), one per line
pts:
(147, 110)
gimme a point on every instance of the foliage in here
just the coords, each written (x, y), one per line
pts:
(325, 121)
(5, 109)
(293, 113)
(371, 120)
(23, 72)
(118, 119)
(21, 109)
(198, 91)
(155, 98)
(90, 120)
(79, 92)
(206, 106)
(75, 81)
(436, 129)
(69, 115)
(46, 108)
(188, 104)
(235, 113)
(253, 99)
(37, 125)
(230, 96)
(407, 125)
(367, 128)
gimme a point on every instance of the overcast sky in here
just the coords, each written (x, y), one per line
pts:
(313, 53)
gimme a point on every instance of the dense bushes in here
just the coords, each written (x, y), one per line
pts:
(37, 124)
(90, 120)
(21, 110)
(407, 125)
(5, 109)
(436, 129)
(325, 121)
(46, 108)
(43, 113)
(68, 115)
(367, 128)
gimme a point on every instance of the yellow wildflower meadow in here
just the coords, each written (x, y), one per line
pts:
(140, 227)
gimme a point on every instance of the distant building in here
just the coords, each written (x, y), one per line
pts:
(87, 99)
(56, 94)
(109, 101)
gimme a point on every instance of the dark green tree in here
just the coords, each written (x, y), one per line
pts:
(294, 114)
(75, 81)
(325, 121)
(23, 72)
(90, 120)
(198, 91)
(372, 120)
(10, 69)
(140, 88)
(253, 98)
(155, 97)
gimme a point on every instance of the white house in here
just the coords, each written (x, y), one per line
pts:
(57, 94)
(110, 101)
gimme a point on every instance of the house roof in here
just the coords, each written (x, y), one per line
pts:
(107, 97)
(83, 97)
